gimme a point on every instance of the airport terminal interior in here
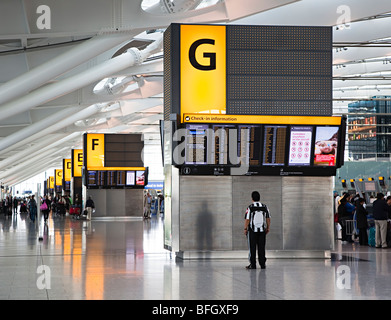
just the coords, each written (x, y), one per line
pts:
(92, 96)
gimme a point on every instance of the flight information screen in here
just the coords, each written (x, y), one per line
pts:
(91, 178)
(261, 149)
(110, 178)
(117, 179)
(220, 148)
(121, 178)
(274, 145)
(196, 144)
(249, 144)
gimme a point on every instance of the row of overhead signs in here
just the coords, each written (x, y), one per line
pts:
(106, 161)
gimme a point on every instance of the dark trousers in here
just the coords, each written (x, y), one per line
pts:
(257, 239)
(363, 236)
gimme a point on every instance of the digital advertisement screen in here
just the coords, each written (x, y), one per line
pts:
(326, 146)
(140, 178)
(130, 178)
(300, 146)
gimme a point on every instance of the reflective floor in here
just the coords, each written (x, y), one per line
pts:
(124, 259)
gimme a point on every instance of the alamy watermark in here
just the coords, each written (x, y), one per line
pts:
(44, 278)
(192, 142)
(343, 21)
(44, 21)
(343, 277)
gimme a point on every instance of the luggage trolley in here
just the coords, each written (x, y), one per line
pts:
(75, 212)
(351, 226)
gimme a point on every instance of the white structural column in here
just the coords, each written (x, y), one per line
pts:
(60, 64)
(44, 145)
(30, 162)
(36, 127)
(45, 94)
(46, 126)
(29, 172)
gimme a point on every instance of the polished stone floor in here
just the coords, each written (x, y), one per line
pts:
(124, 259)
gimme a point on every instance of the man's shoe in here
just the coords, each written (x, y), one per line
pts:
(250, 266)
(263, 266)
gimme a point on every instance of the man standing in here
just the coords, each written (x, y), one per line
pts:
(90, 205)
(147, 206)
(257, 223)
(380, 215)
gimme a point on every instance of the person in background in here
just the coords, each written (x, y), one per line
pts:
(342, 217)
(147, 206)
(46, 211)
(389, 206)
(16, 201)
(32, 208)
(362, 222)
(345, 213)
(380, 215)
(89, 206)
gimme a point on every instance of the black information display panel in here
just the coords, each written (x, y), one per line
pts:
(110, 178)
(123, 150)
(249, 144)
(279, 70)
(214, 149)
(269, 70)
(196, 148)
(116, 179)
(67, 186)
(220, 147)
(274, 145)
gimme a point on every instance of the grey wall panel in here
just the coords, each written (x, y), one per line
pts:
(134, 202)
(115, 200)
(270, 189)
(99, 198)
(205, 213)
(174, 207)
(211, 213)
(307, 213)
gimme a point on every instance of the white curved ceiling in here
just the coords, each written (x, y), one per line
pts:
(57, 83)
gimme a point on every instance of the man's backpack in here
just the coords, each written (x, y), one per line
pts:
(258, 217)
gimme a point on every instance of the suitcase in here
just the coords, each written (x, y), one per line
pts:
(74, 211)
(371, 237)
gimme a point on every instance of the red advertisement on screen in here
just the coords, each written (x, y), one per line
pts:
(326, 145)
(325, 159)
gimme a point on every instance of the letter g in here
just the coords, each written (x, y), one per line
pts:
(210, 55)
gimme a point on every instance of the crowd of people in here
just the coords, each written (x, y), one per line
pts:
(353, 207)
(58, 205)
